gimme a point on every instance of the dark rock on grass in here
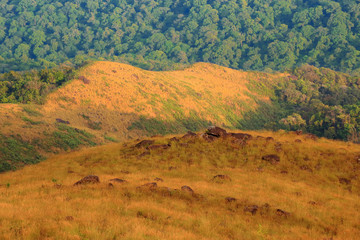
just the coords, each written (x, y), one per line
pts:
(216, 132)
(311, 137)
(298, 141)
(189, 135)
(312, 203)
(344, 181)
(298, 132)
(110, 185)
(272, 158)
(218, 178)
(207, 137)
(251, 209)
(187, 189)
(172, 168)
(143, 154)
(158, 179)
(59, 120)
(306, 168)
(69, 218)
(159, 146)
(88, 179)
(118, 180)
(144, 143)
(230, 199)
(269, 139)
(241, 136)
(174, 139)
(284, 172)
(149, 186)
(282, 213)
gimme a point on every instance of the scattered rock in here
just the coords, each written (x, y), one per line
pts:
(118, 180)
(306, 168)
(59, 120)
(272, 158)
(174, 139)
(114, 71)
(158, 179)
(312, 203)
(230, 199)
(311, 137)
(190, 135)
(143, 154)
(252, 209)
(144, 143)
(298, 194)
(221, 178)
(284, 172)
(187, 189)
(159, 146)
(241, 136)
(216, 132)
(69, 218)
(298, 132)
(110, 185)
(87, 180)
(345, 181)
(208, 137)
(298, 141)
(278, 147)
(172, 168)
(282, 213)
(264, 209)
(269, 139)
(150, 186)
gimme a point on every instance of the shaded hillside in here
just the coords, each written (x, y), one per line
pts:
(268, 186)
(163, 34)
(111, 102)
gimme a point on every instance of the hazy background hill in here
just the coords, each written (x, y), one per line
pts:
(164, 34)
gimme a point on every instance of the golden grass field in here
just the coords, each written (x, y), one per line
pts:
(118, 94)
(40, 201)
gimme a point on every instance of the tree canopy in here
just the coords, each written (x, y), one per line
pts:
(246, 34)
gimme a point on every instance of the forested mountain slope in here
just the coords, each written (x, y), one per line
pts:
(165, 34)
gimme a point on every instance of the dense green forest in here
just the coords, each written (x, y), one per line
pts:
(163, 34)
(322, 102)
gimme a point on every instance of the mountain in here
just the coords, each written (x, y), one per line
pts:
(164, 34)
(264, 185)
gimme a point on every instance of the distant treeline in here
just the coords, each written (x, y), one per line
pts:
(321, 101)
(246, 34)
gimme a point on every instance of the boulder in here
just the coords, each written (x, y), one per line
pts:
(118, 180)
(88, 179)
(221, 178)
(216, 132)
(187, 189)
(251, 209)
(189, 135)
(144, 143)
(272, 158)
(241, 136)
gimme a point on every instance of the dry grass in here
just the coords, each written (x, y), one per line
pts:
(117, 94)
(39, 202)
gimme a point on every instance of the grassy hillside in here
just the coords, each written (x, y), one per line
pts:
(309, 191)
(110, 102)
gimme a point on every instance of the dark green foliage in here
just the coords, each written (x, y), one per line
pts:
(253, 34)
(15, 153)
(328, 101)
(32, 86)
